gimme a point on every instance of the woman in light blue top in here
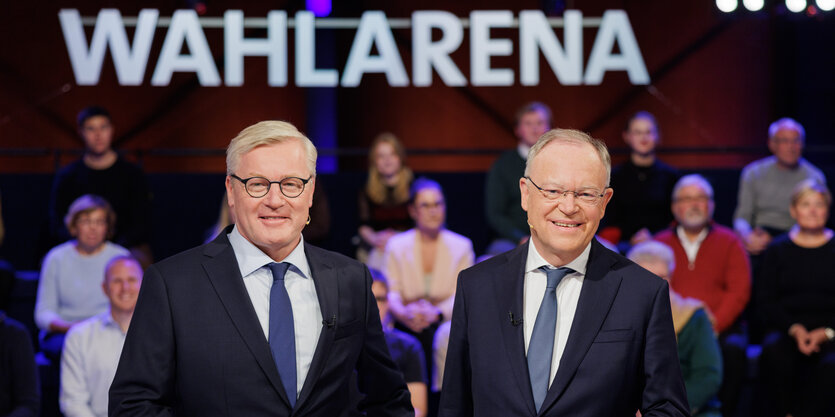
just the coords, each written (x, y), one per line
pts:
(69, 290)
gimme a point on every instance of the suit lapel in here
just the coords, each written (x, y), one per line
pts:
(600, 286)
(327, 291)
(509, 284)
(221, 267)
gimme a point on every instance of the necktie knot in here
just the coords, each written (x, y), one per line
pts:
(555, 275)
(278, 269)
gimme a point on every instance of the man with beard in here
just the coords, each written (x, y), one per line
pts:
(714, 268)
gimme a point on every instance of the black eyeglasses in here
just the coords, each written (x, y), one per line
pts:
(587, 196)
(258, 187)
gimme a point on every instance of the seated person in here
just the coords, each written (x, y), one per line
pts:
(797, 300)
(766, 185)
(713, 268)
(102, 171)
(19, 392)
(92, 347)
(422, 265)
(507, 220)
(698, 351)
(404, 348)
(383, 203)
(642, 184)
(68, 290)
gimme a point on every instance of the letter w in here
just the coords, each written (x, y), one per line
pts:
(130, 62)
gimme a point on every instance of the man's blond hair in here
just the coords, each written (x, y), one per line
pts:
(267, 133)
(571, 136)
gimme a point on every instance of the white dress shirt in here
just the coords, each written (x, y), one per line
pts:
(568, 294)
(258, 279)
(691, 248)
(88, 365)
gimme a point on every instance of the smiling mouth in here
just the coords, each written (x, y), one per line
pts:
(273, 217)
(561, 224)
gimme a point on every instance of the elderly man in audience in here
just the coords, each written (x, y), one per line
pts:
(765, 186)
(713, 268)
(698, 351)
(92, 348)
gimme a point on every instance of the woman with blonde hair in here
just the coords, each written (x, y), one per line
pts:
(383, 203)
(796, 293)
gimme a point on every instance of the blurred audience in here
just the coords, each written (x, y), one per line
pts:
(797, 298)
(102, 171)
(19, 392)
(698, 350)
(765, 186)
(643, 185)
(92, 347)
(68, 291)
(6, 270)
(405, 349)
(713, 268)
(422, 265)
(507, 220)
(383, 204)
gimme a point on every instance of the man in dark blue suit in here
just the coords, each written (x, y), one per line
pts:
(256, 322)
(562, 326)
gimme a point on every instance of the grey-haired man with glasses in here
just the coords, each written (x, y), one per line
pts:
(561, 325)
(258, 322)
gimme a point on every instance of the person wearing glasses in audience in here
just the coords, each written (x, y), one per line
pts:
(258, 322)
(422, 264)
(561, 325)
(70, 281)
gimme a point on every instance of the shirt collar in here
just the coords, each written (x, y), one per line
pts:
(536, 261)
(523, 150)
(682, 236)
(250, 258)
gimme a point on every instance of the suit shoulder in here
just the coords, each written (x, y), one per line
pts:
(184, 258)
(335, 259)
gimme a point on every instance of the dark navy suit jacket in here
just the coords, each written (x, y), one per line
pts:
(195, 346)
(620, 355)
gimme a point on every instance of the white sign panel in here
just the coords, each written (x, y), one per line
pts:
(373, 31)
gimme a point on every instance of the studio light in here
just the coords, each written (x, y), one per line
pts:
(796, 6)
(753, 5)
(826, 5)
(727, 6)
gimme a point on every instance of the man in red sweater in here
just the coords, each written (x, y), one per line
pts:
(712, 266)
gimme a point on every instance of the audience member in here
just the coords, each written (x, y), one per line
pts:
(506, 218)
(765, 186)
(797, 298)
(19, 394)
(92, 348)
(71, 273)
(713, 268)
(422, 265)
(383, 204)
(642, 185)
(102, 171)
(405, 349)
(698, 350)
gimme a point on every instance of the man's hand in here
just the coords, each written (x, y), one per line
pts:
(756, 241)
(803, 339)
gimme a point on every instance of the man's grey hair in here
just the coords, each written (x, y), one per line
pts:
(787, 123)
(571, 136)
(267, 133)
(693, 179)
(653, 251)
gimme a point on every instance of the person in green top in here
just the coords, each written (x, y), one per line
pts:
(698, 349)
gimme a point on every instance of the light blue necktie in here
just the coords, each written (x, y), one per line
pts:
(541, 346)
(282, 333)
